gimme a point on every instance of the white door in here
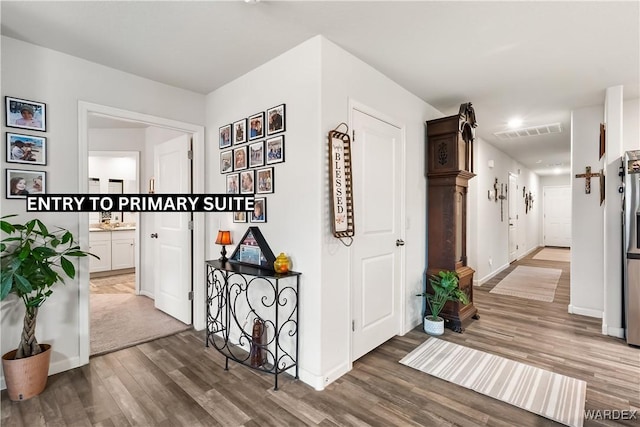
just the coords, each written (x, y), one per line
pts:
(557, 216)
(376, 260)
(512, 198)
(172, 248)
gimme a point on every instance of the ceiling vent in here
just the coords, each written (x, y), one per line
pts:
(530, 131)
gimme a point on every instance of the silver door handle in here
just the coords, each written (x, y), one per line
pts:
(154, 235)
(399, 242)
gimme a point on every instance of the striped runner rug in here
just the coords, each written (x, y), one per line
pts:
(554, 396)
(534, 283)
(554, 254)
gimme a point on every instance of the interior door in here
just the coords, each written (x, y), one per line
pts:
(512, 198)
(557, 216)
(172, 248)
(376, 260)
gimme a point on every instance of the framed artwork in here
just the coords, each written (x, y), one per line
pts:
(275, 149)
(240, 131)
(21, 183)
(240, 217)
(264, 180)
(247, 182)
(603, 140)
(259, 213)
(226, 161)
(256, 154)
(239, 158)
(232, 183)
(276, 119)
(26, 149)
(25, 114)
(253, 250)
(224, 134)
(256, 126)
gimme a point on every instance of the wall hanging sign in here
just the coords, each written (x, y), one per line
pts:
(341, 184)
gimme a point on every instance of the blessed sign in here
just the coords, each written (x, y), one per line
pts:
(340, 182)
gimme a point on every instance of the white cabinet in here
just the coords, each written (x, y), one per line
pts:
(100, 245)
(116, 250)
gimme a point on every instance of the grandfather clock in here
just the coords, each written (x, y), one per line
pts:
(449, 168)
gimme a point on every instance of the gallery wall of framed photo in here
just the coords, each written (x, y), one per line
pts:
(250, 150)
(27, 151)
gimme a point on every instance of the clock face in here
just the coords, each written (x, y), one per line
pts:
(633, 166)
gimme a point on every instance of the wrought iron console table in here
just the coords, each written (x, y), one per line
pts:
(239, 294)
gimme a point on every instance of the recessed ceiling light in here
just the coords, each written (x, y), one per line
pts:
(515, 123)
(539, 161)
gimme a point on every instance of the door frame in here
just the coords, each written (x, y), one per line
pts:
(544, 209)
(514, 194)
(354, 105)
(198, 186)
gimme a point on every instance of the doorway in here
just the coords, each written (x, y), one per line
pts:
(557, 216)
(513, 216)
(146, 262)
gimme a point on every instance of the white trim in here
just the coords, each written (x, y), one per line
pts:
(516, 220)
(615, 332)
(198, 186)
(312, 380)
(524, 255)
(490, 276)
(591, 312)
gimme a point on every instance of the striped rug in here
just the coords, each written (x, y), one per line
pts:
(545, 393)
(554, 254)
(534, 283)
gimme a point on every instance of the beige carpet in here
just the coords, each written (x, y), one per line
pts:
(534, 283)
(554, 254)
(124, 320)
(554, 396)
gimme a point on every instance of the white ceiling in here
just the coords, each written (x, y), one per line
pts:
(536, 60)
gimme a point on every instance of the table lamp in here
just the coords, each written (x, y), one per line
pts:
(224, 238)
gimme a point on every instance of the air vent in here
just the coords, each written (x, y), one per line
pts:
(530, 131)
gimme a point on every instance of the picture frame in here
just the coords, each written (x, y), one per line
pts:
(264, 180)
(240, 158)
(226, 161)
(224, 136)
(247, 182)
(233, 183)
(256, 126)
(253, 250)
(25, 114)
(26, 149)
(239, 131)
(21, 183)
(274, 150)
(256, 154)
(259, 213)
(276, 119)
(240, 217)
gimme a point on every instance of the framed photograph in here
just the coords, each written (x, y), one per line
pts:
(240, 131)
(233, 186)
(256, 126)
(276, 119)
(264, 180)
(240, 158)
(226, 161)
(259, 213)
(256, 154)
(247, 182)
(224, 134)
(275, 149)
(253, 250)
(25, 114)
(26, 149)
(21, 183)
(240, 217)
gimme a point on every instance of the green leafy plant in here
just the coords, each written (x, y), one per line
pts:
(33, 260)
(445, 288)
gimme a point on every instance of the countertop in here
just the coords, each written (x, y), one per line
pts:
(98, 229)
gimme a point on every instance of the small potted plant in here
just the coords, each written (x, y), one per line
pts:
(33, 260)
(445, 288)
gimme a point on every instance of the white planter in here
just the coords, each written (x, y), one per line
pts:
(434, 327)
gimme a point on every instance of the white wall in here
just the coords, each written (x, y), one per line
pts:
(60, 81)
(555, 180)
(587, 240)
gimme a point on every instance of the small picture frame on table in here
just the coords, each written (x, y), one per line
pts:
(226, 161)
(274, 150)
(224, 134)
(256, 126)
(276, 119)
(27, 149)
(264, 180)
(25, 114)
(259, 213)
(256, 154)
(22, 183)
(240, 131)
(253, 250)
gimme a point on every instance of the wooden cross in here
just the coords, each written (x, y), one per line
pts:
(588, 175)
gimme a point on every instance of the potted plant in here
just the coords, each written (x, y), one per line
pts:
(33, 260)
(445, 288)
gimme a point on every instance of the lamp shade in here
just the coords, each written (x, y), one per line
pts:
(224, 237)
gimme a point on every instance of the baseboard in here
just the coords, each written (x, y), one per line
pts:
(615, 332)
(310, 379)
(490, 276)
(590, 312)
(54, 368)
(147, 294)
(529, 252)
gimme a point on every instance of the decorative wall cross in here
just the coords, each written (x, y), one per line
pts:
(588, 175)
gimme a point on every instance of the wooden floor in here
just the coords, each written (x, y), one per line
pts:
(175, 381)
(116, 284)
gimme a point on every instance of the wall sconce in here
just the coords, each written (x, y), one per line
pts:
(224, 238)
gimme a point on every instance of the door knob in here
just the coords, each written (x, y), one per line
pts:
(154, 235)
(399, 242)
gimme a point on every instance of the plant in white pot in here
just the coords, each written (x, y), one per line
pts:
(445, 288)
(33, 260)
